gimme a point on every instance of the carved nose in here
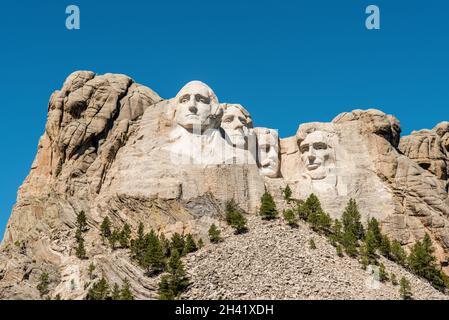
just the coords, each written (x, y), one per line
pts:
(312, 158)
(193, 109)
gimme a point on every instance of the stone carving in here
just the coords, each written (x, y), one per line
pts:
(268, 152)
(108, 151)
(236, 123)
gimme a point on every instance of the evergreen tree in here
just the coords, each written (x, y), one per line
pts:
(115, 295)
(290, 218)
(336, 233)
(385, 246)
(99, 290)
(43, 284)
(234, 217)
(114, 238)
(268, 209)
(214, 234)
(352, 228)
(287, 193)
(154, 259)
(339, 250)
(178, 277)
(125, 292)
(124, 236)
(312, 244)
(138, 245)
(80, 250)
(177, 243)
(351, 220)
(370, 246)
(383, 276)
(405, 290)
(373, 226)
(200, 243)
(394, 279)
(423, 263)
(81, 221)
(190, 245)
(91, 270)
(315, 215)
(398, 253)
(105, 228)
(165, 245)
(164, 291)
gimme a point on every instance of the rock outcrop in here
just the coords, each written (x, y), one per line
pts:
(114, 148)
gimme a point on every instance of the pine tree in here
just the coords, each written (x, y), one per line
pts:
(177, 243)
(154, 259)
(99, 290)
(124, 236)
(383, 276)
(423, 263)
(287, 192)
(370, 246)
(398, 253)
(290, 218)
(190, 245)
(336, 233)
(43, 284)
(312, 244)
(235, 218)
(339, 250)
(81, 221)
(115, 295)
(200, 243)
(105, 228)
(351, 220)
(178, 277)
(405, 290)
(138, 245)
(373, 226)
(315, 215)
(164, 291)
(114, 238)
(214, 234)
(352, 228)
(125, 292)
(268, 209)
(385, 246)
(91, 270)
(80, 250)
(394, 279)
(165, 245)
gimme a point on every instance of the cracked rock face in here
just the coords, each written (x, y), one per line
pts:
(112, 147)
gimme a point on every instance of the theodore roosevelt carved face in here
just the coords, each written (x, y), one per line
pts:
(268, 152)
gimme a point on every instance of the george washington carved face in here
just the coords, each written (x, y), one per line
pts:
(315, 154)
(197, 107)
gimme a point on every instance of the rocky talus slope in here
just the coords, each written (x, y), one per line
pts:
(275, 261)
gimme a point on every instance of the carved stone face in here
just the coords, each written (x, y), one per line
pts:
(236, 122)
(196, 107)
(315, 153)
(268, 151)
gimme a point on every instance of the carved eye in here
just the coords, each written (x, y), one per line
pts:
(202, 99)
(304, 148)
(243, 121)
(184, 99)
(227, 120)
(319, 146)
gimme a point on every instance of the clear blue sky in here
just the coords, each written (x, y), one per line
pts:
(287, 62)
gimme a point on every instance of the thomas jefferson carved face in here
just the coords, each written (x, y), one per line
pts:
(235, 122)
(268, 151)
(197, 107)
(315, 153)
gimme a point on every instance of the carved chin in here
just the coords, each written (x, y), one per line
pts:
(237, 140)
(269, 172)
(317, 174)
